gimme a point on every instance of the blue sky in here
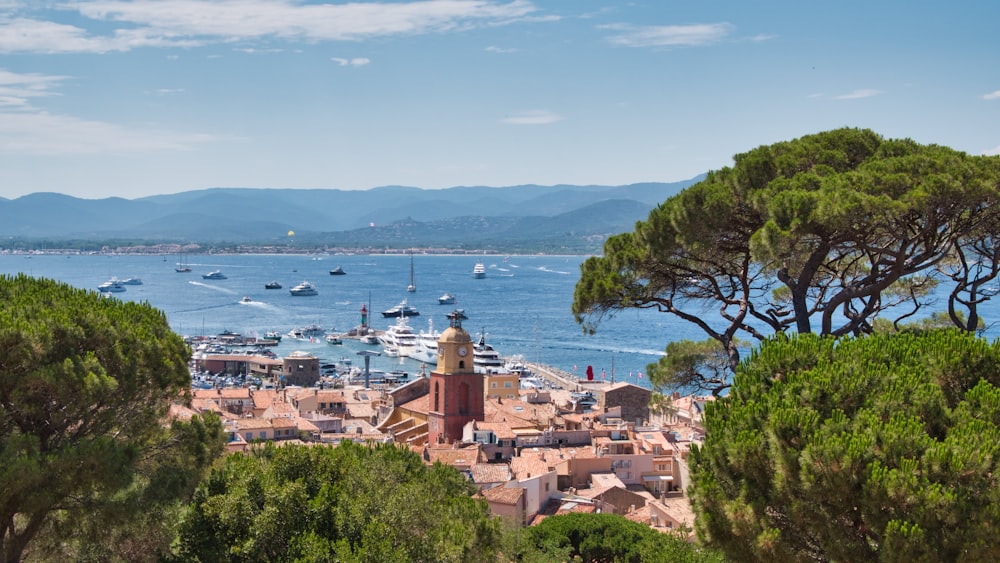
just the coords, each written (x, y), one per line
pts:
(104, 98)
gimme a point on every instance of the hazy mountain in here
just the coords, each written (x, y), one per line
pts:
(515, 216)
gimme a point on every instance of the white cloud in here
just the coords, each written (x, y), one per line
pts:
(533, 117)
(668, 35)
(16, 89)
(356, 61)
(189, 23)
(992, 95)
(995, 151)
(41, 133)
(859, 94)
(495, 49)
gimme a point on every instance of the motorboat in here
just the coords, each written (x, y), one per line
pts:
(402, 310)
(215, 275)
(369, 339)
(399, 338)
(479, 271)
(485, 359)
(182, 268)
(446, 299)
(306, 332)
(246, 299)
(338, 271)
(303, 289)
(111, 286)
(132, 281)
(426, 350)
(272, 285)
(273, 335)
(334, 339)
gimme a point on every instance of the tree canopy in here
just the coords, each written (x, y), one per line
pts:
(605, 537)
(85, 387)
(346, 503)
(882, 447)
(821, 234)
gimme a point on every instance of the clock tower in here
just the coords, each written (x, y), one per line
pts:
(456, 390)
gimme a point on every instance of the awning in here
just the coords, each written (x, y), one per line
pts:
(650, 478)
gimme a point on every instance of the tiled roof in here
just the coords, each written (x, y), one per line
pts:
(504, 495)
(490, 473)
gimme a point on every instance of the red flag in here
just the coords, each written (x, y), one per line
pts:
(590, 373)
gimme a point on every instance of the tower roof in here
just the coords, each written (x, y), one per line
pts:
(455, 334)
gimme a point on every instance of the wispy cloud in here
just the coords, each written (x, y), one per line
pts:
(532, 117)
(495, 49)
(859, 94)
(995, 151)
(191, 23)
(992, 95)
(356, 61)
(668, 35)
(25, 129)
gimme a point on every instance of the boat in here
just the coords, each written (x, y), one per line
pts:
(273, 335)
(369, 339)
(411, 288)
(446, 299)
(111, 286)
(338, 271)
(399, 339)
(132, 281)
(303, 289)
(427, 345)
(402, 310)
(181, 267)
(479, 271)
(246, 299)
(485, 359)
(334, 339)
(214, 275)
(307, 332)
(272, 285)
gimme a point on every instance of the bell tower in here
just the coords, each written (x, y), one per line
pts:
(456, 390)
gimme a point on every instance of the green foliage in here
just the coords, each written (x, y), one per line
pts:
(692, 366)
(85, 385)
(605, 537)
(819, 234)
(881, 447)
(348, 503)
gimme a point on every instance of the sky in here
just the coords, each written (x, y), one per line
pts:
(113, 98)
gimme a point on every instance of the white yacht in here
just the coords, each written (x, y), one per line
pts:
(479, 271)
(485, 359)
(399, 338)
(446, 299)
(215, 275)
(404, 309)
(132, 281)
(304, 288)
(111, 286)
(427, 345)
(307, 332)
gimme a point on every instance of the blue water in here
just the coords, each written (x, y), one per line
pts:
(523, 305)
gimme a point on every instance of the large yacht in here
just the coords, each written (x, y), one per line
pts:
(304, 288)
(111, 286)
(399, 339)
(404, 309)
(479, 271)
(427, 345)
(485, 359)
(446, 299)
(215, 275)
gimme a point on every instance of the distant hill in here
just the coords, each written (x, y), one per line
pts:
(528, 217)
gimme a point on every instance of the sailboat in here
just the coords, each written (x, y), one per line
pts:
(411, 288)
(181, 266)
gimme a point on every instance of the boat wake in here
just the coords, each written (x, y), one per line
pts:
(544, 269)
(213, 287)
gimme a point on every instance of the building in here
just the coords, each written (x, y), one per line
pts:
(300, 368)
(457, 395)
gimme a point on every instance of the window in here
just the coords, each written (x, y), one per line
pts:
(508, 384)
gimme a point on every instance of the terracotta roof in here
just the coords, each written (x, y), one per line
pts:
(527, 467)
(490, 473)
(253, 423)
(500, 429)
(504, 495)
(456, 457)
(262, 398)
(421, 404)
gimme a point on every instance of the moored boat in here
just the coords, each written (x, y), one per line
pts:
(399, 339)
(338, 271)
(111, 286)
(272, 285)
(404, 309)
(446, 299)
(132, 281)
(479, 271)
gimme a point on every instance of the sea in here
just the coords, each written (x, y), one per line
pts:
(522, 307)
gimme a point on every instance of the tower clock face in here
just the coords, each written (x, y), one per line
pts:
(462, 351)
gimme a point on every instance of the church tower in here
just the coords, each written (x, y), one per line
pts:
(456, 390)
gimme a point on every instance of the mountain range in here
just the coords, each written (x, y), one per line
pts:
(514, 218)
